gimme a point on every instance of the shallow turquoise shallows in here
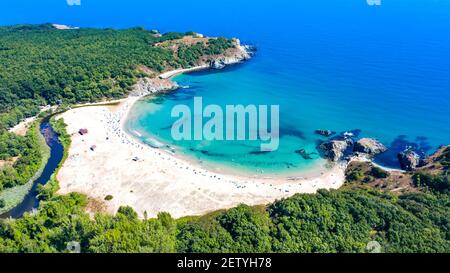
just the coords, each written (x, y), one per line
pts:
(338, 65)
(368, 71)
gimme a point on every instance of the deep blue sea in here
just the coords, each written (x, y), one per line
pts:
(338, 65)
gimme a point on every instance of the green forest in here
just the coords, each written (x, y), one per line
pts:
(29, 153)
(41, 65)
(336, 221)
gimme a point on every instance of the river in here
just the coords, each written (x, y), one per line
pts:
(31, 201)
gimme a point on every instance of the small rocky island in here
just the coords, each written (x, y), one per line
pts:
(346, 147)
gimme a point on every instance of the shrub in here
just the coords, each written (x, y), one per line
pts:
(379, 173)
(109, 198)
(434, 183)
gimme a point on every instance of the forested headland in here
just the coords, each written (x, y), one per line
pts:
(41, 65)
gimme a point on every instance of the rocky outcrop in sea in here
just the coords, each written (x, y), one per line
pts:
(346, 145)
(335, 150)
(369, 146)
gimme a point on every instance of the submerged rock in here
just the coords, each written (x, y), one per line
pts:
(409, 160)
(369, 146)
(303, 153)
(335, 149)
(325, 133)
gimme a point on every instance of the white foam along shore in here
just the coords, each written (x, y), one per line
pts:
(109, 161)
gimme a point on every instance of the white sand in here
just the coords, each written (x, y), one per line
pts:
(158, 181)
(173, 73)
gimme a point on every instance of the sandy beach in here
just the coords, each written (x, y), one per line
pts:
(173, 73)
(108, 161)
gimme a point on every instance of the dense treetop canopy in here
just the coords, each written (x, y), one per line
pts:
(42, 65)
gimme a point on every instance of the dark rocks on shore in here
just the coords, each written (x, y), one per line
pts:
(217, 64)
(369, 146)
(409, 160)
(335, 150)
(325, 133)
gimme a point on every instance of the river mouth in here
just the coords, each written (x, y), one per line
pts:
(31, 202)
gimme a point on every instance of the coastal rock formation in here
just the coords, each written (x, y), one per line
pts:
(440, 160)
(238, 54)
(335, 149)
(325, 133)
(146, 86)
(409, 160)
(222, 62)
(369, 146)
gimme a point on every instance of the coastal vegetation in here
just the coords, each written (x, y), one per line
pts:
(29, 151)
(189, 55)
(345, 220)
(86, 65)
(41, 65)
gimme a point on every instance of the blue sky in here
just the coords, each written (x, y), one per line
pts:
(208, 15)
(147, 11)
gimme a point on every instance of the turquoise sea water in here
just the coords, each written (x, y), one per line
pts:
(338, 65)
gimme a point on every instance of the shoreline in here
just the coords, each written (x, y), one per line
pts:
(170, 74)
(110, 160)
(153, 180)
(316, 170)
